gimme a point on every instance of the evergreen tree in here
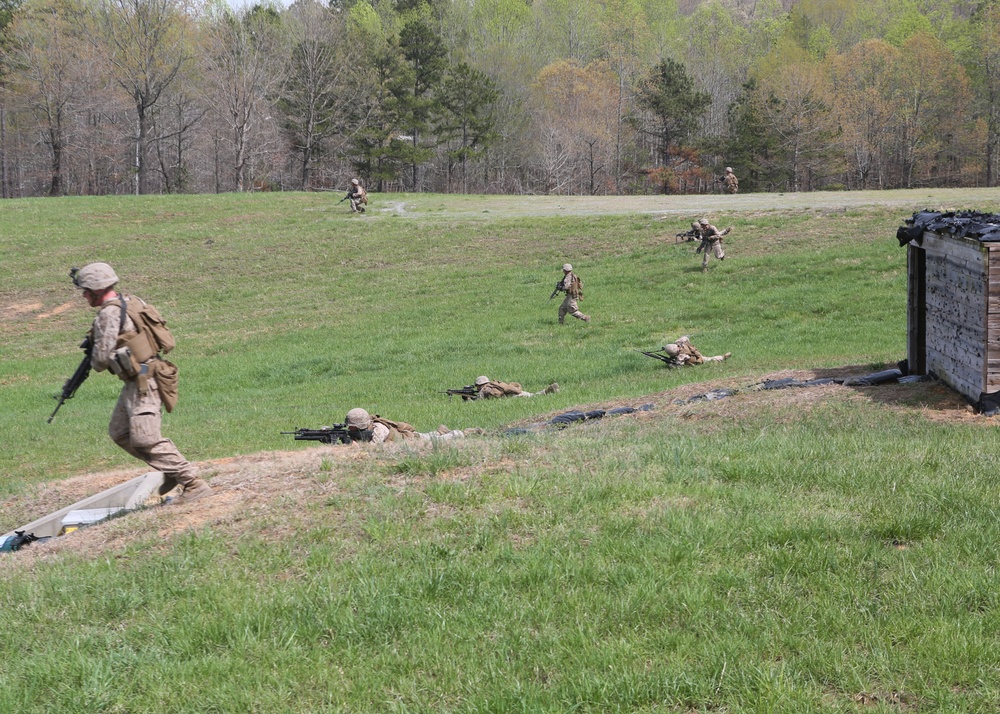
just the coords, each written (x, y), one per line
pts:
(425, 55)
(670, 96)
(378, 153)
(467, 123)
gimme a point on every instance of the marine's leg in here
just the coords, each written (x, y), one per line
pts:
(574, 310)
(438, 436)
(119, 426)
(564, 308)
(160, 453)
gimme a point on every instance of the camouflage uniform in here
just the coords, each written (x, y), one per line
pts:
(357, 196)
(685, 353)
(573, 287)
(711, 239)
(489, 389)
(362, 427)
(136, 420)
(730, 181)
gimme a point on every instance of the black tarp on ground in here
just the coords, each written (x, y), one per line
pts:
(561, 421)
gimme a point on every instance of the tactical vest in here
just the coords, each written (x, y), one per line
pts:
(396, 428)
(694, 356)
(508, 388)
(137, 351)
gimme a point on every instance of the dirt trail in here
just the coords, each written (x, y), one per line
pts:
(746, 203)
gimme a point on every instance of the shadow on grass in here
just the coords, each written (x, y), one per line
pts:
(930, 394)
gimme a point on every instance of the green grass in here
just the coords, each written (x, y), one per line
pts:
(757, 554)
(288, 312)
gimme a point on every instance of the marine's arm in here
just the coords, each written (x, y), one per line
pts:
(380, 432)
(105, 336)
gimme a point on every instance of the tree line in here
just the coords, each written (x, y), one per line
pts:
(496, 96)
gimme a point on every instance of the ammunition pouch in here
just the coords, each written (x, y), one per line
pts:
(123, 364)
(131, 358)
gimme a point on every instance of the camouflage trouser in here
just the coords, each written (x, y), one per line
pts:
(135, 426)
(569, 306)
(716, 249)
(438, 436)
(357, 206)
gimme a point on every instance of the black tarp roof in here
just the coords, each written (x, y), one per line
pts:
(984, 227)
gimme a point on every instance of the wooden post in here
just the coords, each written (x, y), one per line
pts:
(916, 309)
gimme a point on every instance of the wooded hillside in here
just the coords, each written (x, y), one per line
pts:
(497, 96)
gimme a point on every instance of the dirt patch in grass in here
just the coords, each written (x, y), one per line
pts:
(15, 315)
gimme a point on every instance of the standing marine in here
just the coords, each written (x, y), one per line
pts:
(729, 181)
(573, 287)
(126, 338)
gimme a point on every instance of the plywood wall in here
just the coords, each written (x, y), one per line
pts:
(993, 320)
(957, 307)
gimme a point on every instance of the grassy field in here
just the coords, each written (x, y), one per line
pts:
(772, 552)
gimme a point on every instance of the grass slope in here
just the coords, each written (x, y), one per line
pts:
(766, 553)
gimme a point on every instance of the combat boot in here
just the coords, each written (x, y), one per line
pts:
(168, 485)
(473, 431)
(193, 490)
(586, 318)
(551, 389)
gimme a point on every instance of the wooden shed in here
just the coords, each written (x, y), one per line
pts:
(953, 301)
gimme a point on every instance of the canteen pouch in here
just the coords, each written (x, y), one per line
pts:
(166, 383)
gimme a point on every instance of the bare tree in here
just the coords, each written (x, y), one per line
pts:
(43, 55)
(145, 42)
(315, 100)
(244, 66)
(575, 114)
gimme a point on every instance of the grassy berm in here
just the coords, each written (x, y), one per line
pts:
(828, 549)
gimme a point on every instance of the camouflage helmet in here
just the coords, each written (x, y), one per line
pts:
(703, 221)
(481, 380)
(355, 182)
(358, 418)
(729, 169)
(567, 268)
(696, 225)
(672, 350)
(94, 276)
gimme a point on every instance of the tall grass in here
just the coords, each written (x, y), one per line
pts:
(630, 565)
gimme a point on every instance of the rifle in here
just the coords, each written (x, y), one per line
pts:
(325, 434)
(690, 235)
(662, 356)
(556, 291)
(467, 392)
(73, 383)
